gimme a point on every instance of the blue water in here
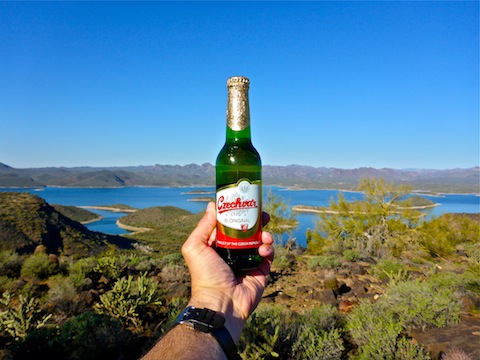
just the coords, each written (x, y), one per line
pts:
(144, 197)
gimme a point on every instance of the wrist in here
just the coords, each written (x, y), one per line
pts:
(224, 306)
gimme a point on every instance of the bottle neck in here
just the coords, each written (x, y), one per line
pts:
(237, 137)
(238, 112)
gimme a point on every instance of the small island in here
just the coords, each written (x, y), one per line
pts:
(412, 203)
(198, 192)
(202, 199)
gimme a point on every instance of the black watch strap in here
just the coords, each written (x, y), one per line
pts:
(209, 321)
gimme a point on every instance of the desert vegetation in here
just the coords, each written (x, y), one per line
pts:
(373, 274)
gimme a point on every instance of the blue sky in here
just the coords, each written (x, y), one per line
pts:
(335, 84)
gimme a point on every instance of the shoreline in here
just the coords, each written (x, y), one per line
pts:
(99, 218)
(108, 208)
(134, 229)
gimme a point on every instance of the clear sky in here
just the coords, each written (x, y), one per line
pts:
(335, 84)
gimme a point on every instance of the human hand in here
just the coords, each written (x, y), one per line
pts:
(214, 284)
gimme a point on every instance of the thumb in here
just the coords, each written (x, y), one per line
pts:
(199, 237)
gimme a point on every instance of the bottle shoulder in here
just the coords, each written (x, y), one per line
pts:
(238, 152)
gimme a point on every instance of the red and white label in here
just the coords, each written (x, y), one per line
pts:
(238, 209)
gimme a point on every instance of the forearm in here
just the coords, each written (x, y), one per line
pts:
(183, 343)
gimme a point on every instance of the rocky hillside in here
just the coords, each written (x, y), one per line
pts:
(304, 285)
(27, 221)
(452, 180)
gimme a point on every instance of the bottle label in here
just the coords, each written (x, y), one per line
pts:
(239, 215)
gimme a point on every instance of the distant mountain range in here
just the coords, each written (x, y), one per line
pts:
(298, 176)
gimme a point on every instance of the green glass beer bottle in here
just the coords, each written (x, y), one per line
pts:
(239, 185)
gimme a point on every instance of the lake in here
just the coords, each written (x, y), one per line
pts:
(144, 197)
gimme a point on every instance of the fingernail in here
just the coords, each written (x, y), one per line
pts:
(210, 207)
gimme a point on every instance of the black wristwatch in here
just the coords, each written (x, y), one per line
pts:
(209, 321)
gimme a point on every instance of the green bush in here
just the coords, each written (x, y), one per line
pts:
(316, 344)
(87, 336)
(440, 236)
(408, 350)
(18, 321)
(473, 252)
(145, 265)
(38, 266)
(269, 333)
(129, 300)
(62, 295)
(319, 335)
(173, 273)
(324, 317)
(173, 259)
(423, 304)
(392, 269)
(471, 279)
(6, 283)
(351, 255)
(79, 270)
(109, 266)
(285, 254)
(374, 329)
(10, 263)
(329, 262)
(274, 332)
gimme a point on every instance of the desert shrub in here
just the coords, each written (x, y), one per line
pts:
(473, 252)
(440, 236)
(62, 295)
(129, 300)
(18, 321)
(274, 332)
(6, 283)
(323, 261)
(10, 263)
(372, 227)
(173, 273)
(38, 266)
(285, 254)
(351, 255)
(145, 264)
(374, 329)
(471, 279)
(130, 260)
(282, 219)
(269, 333)
(316, 344)
(172, 259)
(79, 270)
(319, 336)
(88, 336)
(423, 304)
(109, 266)
(323, 317)
(408, 350)
(392, 269)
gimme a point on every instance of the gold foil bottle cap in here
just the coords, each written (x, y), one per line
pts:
(238, 80)
(238, 110)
